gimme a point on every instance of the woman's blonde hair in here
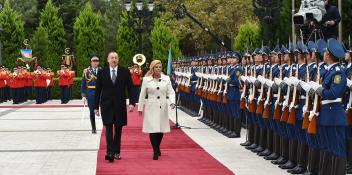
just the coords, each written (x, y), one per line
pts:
(151, 68)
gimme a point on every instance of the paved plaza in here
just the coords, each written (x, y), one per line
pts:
(58, 141)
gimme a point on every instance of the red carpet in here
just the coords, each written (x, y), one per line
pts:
(43, 106)
(180, 155)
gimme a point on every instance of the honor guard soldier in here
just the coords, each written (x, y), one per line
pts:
(64, 76)
(262, 72)
(348, 59)
(88, 87)
(251, 100)
(269, 106)
(233, 94)
(330, 122)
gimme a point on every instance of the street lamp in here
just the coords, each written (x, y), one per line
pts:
(143, 17)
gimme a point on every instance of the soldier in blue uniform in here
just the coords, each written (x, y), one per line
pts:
(332, 119)
(254, 127)
(262, 123)
(233, 94)
(273, 140)
(348, 59)
(88, 87)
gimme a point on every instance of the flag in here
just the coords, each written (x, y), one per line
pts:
(26, 55)
(169, 64)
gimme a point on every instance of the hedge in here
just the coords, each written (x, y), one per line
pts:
(76, 89)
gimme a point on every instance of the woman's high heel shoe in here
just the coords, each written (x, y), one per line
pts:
(155, 156)
(159, 152)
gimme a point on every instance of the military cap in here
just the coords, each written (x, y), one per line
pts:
(284, 50)
(256, 52)
(276, 50)
(311, 47)
(265, 50)
(247, 53)
(335, 48)
(321, 46)
(301, 47)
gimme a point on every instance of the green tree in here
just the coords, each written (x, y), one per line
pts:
(88, 36)
(248, 37)
(222, 17)
(52, 23)
(111, 23)
(12, 35)
(162, 39)
(29, 14)
(40, 46)
(283, 28)
(126, 41)
(69, 10)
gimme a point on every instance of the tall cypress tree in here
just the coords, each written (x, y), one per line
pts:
(126, 41)
(52, 23)
(88, 36)
(162, 39)
(12, 35)
(40, 46)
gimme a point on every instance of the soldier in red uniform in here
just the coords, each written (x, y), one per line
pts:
(50, 75)
(136, 75)
(3, 78)
(63, 76)
(28, 83)
(40, 85)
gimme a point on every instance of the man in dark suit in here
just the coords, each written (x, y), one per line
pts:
(110, 94)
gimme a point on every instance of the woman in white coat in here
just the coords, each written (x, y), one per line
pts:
(156, 98)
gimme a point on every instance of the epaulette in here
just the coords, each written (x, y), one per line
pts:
(85, 72)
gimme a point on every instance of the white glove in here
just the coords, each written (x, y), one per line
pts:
(287, 81)
(243, 78)
(305, 86)
(277, 81)
(315, 86)
(349, 82)
(294, 81)
(304, 109)
(84, 99)
(269, 83)
(261, 79)
(285, 103)
(251, 80)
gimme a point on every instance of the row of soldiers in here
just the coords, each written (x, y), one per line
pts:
(295, 101)
(17, 85)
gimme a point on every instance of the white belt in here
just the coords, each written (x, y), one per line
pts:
(303, 97)
(276, 95)
(324, 102)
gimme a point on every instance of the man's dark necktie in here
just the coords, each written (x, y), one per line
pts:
(113, 76)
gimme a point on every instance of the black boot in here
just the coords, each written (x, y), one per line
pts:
(256, 133)
(262, 144)
(292, 150)
(301, 160)
(339, 167)
(269, 143)
(233, 124)
(275, 154)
